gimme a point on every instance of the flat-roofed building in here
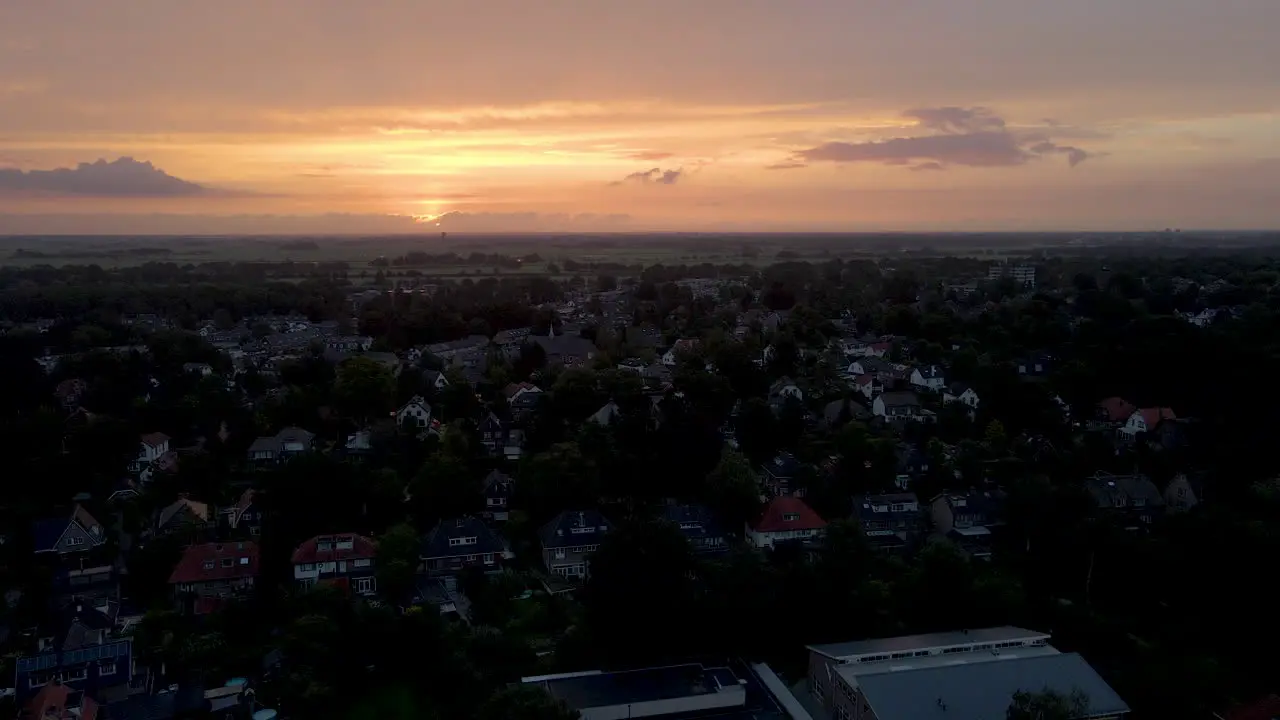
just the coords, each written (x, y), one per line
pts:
(967, 673)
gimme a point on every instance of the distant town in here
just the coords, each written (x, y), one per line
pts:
(754, 477)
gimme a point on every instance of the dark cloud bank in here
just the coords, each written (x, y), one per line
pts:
(652, 176)
(969, 137)
(124, 177)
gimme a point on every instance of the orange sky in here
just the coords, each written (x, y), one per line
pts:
(660, 115)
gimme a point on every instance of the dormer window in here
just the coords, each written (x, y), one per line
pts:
(582, 530)
(455, 542)
(208, 564)
(324, 546)
(790, 517)
(228, 562)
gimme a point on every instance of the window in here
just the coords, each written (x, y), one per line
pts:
(74, 540)
(790, 517)
(817, 686)
(559, 553)
(307, 567)
(842, 712)
(582, 530)
(362, 563)
(107, 667)
(79, 673)
(255, 530)
(244, 561)
(36, 680)
(455, 542)
(228, 562)
(324, 546)
(488, 558)
(364, 585)
(472, 558)
(208, 564)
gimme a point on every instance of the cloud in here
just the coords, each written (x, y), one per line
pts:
(656, 176)
(649, 155)
(124, 177)
(970, 137)
(785, 166)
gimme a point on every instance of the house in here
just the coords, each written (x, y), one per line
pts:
(500, 439)
(930, 377)
(912, 464)
(184, 516)
(779, 475)
(606, 415)
(201, 369)
(1183, 493)
(968, 519)
(77, 650)
(151, 447)
(785, 519)
(891, 521)
(69, 392)
(1145, 420)
(351, 343)
(211, 573)
(287, 443)
(868, 365)
(522, 399)
(1036, 366)
(1135, 497)
(782, 390)
(78, 533)
(497, 494)
(567, 350)
(435, 379)
(569, 539)
(869, 385)
(698, 526)
(683, 347)
(958, 392)
(415, 414)
(56, 701)
(358, 446)
(898, 405)
(959, 674)
(458, 544)
(244, 518)
(1115, 410)
(345, 561)
(838, 412)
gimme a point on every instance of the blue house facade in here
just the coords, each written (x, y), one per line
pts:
(84, 654)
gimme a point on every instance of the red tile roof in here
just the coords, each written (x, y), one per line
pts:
(774, 517)
(51, 703)
(865, 379)
(361, 548)
(1117, 409)
(1266, 709)
(1153, 416)
(192, 567)
(155, 440)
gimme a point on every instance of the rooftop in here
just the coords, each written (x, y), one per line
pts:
(583, 691)
(907, 643)
(983, 690)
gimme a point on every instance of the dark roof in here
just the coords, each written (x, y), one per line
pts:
(784, 465)
(957, 388)
(903, 643)
(905, 398)
(565, 345)
(582, 692)
(1122, 491)
(191, 568)
(436, 543)
(49, 532)
(862, 506)
(833, 410)
(694, 521)
(983, 689)
(362, 548)
(559, 532)
(497, 484)
(975, 502)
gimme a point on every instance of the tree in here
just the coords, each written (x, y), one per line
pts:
(1047, 705)
(364, 388)
(525, 702)
(733, 490)
(397, 562)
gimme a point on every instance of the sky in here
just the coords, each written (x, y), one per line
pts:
(651, 115)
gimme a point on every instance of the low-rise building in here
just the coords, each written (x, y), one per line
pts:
(458, 544)
(79, 650)
(345, 561)
(210, 574)
(698, 526)
(890, 521)
(962, 674)
(569, 540)
(785, 519)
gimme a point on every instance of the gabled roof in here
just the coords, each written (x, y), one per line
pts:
(591, 526)
(198, 509)
(436, 543)
(694, 521)
(783, 465)
(295, 434)
(606, 414)
(243, 557)
(904, 398)
(957, 388)
(312, 551)
(774, 518)
(49, 532)
(497, 483)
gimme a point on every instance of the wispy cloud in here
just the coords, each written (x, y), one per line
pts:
(970, 137)
(124, 177)
(656, 176)
(785, 166)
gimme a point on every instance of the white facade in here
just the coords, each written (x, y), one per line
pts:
(416, 412)
(968, 397)
(767, 539)
(936, 382)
